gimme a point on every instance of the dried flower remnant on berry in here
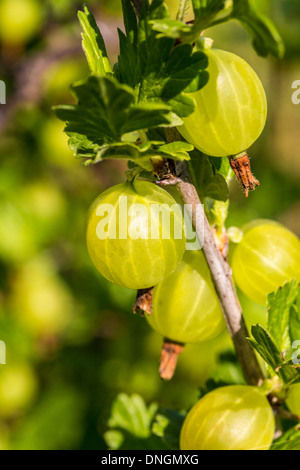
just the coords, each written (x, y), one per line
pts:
(143, 301)
(242, 169)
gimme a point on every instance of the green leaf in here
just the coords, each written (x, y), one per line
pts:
(143, 154)
(107, 110)
(207, 10)
(127, 61)
(182, 105)
(265, 37)
(266, 347)
(209, 183)
(93, 44)
(177, 150)
(171, 28)
(167, 426)
(227, 370)
(131, 414)
(99, 126)
(178, 71)
(290, 440)
(222, 166)
(153, 67)
(217, 188)
(279, 306)
(276, 345)
(130, 424)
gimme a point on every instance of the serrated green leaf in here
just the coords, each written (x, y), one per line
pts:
(208, 182)
(126, 70)
(141, 154)
(208, 9)
(265, 37)
(266, 347)
(290, 440)
(175, 148)
(171, 28)
(167, 426)
(107, 110)
(131, 414)
(183, 105)
(154, 68)
(184, 71)
(170, 74)
(93, 44)
(279, 306)
(130, 424)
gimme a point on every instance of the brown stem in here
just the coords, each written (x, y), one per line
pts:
(168, 359)
(143, 301)
(220, 272)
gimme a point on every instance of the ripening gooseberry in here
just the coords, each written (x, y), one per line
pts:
(236, 417)
(231, 109)
(186, 308)
(135, 234)
(267, 256)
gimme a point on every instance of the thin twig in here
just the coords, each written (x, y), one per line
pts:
(220, 272)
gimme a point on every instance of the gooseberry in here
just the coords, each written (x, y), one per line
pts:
(135, 234)
(267, 256)
(231, 109)
(186, 308)
(235, 417)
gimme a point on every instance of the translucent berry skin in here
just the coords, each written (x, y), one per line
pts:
(293, 399)
(236, 417)
(142, 262)
(267, 256)
(231, 109)
(186, 308)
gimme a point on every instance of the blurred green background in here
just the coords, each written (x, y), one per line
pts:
(72, 342)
